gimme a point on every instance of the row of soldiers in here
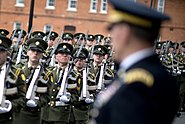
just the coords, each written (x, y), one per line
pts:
(44, 81)
(172, 56)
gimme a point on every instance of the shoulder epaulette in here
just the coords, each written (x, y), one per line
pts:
(138, 75)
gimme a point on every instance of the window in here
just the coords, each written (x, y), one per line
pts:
(50, 4)
(19, 3)
(160, 6)
(103, 6)
(17, 25)
(47, 28)
(72, 5)
(93, 6)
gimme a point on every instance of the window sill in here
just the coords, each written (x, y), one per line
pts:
(103, 12)
(50, 7)
(71, 9)
(19, 5)
(91, 11)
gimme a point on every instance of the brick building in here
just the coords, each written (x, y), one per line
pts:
(83, 16)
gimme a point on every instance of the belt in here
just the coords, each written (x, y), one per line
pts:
(31, 109)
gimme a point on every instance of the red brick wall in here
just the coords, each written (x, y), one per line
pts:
(83, 19)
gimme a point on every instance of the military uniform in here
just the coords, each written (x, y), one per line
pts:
(57, 111)
(14, 86)
(31, 112)
(143, 92)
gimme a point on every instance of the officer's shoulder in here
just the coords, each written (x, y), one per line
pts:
(139, 75)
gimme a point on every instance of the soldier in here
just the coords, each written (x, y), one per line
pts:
(12, 87)
(4, 32)
(78, 39)
(99, 39)
(90, 42)
(51, 38)
(99, 60)
(38, 34)
(143, 92)
(67, 38)
(80, 104)
(38, 80)
(15, 35)
(57, 111)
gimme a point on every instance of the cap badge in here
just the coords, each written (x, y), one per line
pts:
(19, 32)
(37, 43)
(67, 35)
(2, 32)
(90, 36)
(99, 49)
(64, 46)
(38, 34)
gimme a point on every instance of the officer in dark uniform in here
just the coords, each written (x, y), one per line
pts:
(58, 111)
(38, 81)
(143, 93)
(12, 87)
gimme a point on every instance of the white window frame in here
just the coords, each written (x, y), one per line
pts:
(91, 6)
(45, 27)
(102, 5)
(19, 3)
(48, 6)
(15, 25)
(160, 6)
(69, 5)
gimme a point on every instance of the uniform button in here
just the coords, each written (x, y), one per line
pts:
(73, 106)
(10, 118)
(52, 97)
(53, 90)
(55, 83)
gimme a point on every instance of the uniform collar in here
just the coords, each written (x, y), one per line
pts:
(135, 57)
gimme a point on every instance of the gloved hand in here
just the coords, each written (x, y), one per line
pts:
(65, 98)
(8, 107)
(90, 99)
(32, 103)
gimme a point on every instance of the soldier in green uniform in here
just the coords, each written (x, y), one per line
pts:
(12, 87)
(38, 80)
(78, 39)
(15, 35)
(67, 38)
(99, 60)
(90, 42)
(80, 103)
(57, 111)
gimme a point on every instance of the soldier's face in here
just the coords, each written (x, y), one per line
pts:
(68, 41)
(50, 43)
(62, 58)
(90, 42)
(98, 58)
(15, 40)
(80, 63)
(34, 56)
(3, 56)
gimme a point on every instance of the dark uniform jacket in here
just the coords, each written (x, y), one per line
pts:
(145, 94)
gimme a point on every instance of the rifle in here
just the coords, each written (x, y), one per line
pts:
(48, 59)
(48, 36)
